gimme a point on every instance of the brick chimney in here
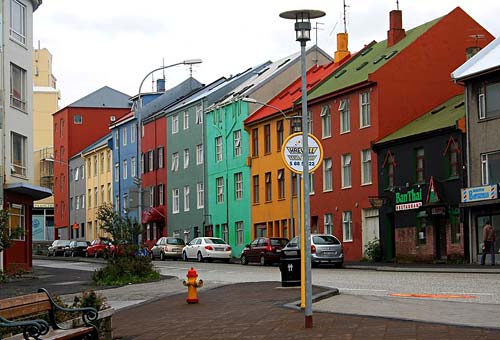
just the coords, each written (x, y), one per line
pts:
(342, 49)
(396, 32)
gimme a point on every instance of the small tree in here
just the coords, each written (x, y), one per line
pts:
(121, 229)
(7, 234)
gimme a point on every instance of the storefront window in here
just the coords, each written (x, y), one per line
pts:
(422, 223)
(495, 222)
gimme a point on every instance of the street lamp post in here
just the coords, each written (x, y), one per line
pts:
(302, 19)
(138, 112)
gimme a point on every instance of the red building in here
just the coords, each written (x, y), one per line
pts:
(384, 87)
(75, 127)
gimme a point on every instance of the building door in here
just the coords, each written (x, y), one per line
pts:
(439, 225)
(370, 226)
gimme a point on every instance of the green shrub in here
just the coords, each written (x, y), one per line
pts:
(90, 298)
(373, 251)
(125, 270)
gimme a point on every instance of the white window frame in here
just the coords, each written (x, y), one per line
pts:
(237, 143)
(328, 223)
(161, 194)
(347, 226)
(200, 195)
(218, 148)
(482, 106)
(326, 121)
(199, 154)
(18, 86)
(77, 119)
(17, 34)
(240, 237)
(199, 114)
(346, 171)
(185, 120)
(160, 157)
(364, 110)
(310, 122)
(133, 133)
(117, 139)
(117, 172)
(151, 160)
(124, 136)
(77, 202)
(124, 170)
(175, 201)
(109, 193)
(175, 162)
(311, 183)
(238, 186)
(220, 189)
(186, 198)
(345, 116)
(20, 213)
(83, 201)
(186, 158)
(133, 170)
(485, 173)
(366, 167)
(18, 146)
(175, 123)
(151, 196)
(327, 175)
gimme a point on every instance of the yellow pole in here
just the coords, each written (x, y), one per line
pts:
(302, 250)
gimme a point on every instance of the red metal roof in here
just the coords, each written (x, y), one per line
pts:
(290, 94)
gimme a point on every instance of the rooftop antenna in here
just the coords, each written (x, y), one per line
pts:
(152, 83)
(317, 29)
(397, 5)
(345, 17)
(163, 68)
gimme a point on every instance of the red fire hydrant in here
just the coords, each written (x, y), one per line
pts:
(192, 283)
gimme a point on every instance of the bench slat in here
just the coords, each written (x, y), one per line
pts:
(60, 334)
(24, 305)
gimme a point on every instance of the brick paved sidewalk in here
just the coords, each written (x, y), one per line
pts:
(255, 311)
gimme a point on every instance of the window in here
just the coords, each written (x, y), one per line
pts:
(267, 138)
(281, 184)
(124, 171)
(143, 165)
(199, 114)
(388, 166)
(175, 201)
(294, 184)
(77, 202)
(83, 201)
(225, 233)
(160, 157)
(102, 194)
(419, 161)
(185, 120)
(326, 121)
(256, 189)
(220, 190)
(117, 208)
(345, 116)
(124, 136)
(18, 21)
(152, 196)
(125, 205)
(269, 189)
(490, 168)
(151, 160)
(133, 133)
(346, 171)
(18, 87)
(452, 153)
(364, 109)
(175, 123)
(237, 143)
(75, 174)
(108, 166)
(17, 220)
(327, 175)
(89, 198)
(82, 169)
(200, 195)
(218, 148)
(161, 194)
(489, 101)
(117, 139)
(279, 134)
(72, 203)
(95, 165)
(186, 158)
(238, 186)
(77, 119)
(309, 122)
(199, 154)
(133, 171)
(311, 183)
(96, 195)
(186, 198)
(101, 168)
(328, 220)
(109, 193)
(117, 172)
(175, 161)
(18, 155)
(347, 225)
(255, 142)
(366, 166)
(239, 232)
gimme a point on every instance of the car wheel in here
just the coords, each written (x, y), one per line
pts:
(262, 260)
(243, 259)
(199, 257)
(162, 256)
(72, 254)
(184, 256)
(65, 254)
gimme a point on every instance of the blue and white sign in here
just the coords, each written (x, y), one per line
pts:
(487, 192)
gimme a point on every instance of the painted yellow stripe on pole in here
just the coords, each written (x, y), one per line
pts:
(302, 250)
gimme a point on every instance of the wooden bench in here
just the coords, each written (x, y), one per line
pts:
(22, 312)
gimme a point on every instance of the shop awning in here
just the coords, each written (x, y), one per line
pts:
(26, 189)
(153, 214)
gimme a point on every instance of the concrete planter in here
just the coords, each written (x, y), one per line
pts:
(103, 323)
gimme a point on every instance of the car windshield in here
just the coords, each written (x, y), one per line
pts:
(325, 239)
(178, 241)
(81, 244)
(279, 242)
(61, 242)
(215, 240)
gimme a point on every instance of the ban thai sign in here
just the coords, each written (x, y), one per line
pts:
(487, 192)
(292, 152)
(409, 200)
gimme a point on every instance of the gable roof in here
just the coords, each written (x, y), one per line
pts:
(443, 116)
(370, 59)
(104, 97)
(171, 96)
(486, 60)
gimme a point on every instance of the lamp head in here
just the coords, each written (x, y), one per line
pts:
(302, 19)
(192, 61)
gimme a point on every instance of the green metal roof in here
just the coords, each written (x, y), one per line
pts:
(370, 59)
(445, 115)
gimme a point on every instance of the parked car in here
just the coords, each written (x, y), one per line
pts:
(76, 248)
(168, 247)
(325, 248)
(264, 250)
(207, 248)
(99, 247)
(57, 247)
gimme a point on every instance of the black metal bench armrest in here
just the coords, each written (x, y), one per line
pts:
(32, 329)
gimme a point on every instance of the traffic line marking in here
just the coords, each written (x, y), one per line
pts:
(434, 296)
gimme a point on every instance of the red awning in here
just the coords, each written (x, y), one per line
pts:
(153, 214)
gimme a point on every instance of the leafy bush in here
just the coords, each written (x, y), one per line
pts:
(90, 298)
(125, 270)
(373, 251)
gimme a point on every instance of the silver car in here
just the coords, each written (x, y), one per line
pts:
(167, 247)
(325, 248)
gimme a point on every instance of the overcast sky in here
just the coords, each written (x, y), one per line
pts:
(117, 42)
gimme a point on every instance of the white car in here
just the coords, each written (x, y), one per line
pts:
(207, 248)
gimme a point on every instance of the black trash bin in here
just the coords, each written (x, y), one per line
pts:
(290, 267)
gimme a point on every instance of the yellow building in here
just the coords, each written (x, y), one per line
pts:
(98, 186)
(45, 102)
